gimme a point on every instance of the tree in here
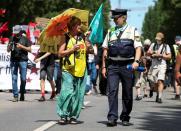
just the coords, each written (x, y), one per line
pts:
(23, 11)
(164, 17)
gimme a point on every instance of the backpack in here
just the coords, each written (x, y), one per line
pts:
(168, 62)
(155, 47)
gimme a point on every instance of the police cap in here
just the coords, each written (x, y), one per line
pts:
(118, 12)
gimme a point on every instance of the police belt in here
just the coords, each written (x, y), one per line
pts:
(119, 58)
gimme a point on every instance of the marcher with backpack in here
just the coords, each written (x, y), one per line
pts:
(160, 52)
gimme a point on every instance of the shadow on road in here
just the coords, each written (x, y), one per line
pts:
(105, 122)
(167, 119)
(45, 120)
(57, 121)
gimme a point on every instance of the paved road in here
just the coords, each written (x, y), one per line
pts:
(33, 115)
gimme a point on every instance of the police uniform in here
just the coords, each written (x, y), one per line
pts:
(121, 44)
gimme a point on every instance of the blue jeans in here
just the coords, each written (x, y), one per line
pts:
(92, 71)
(22, 66)
(57, 77)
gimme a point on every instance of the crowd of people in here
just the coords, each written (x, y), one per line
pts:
(73, 72)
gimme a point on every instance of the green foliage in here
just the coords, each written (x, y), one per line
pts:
(24, 11)
(164, 17)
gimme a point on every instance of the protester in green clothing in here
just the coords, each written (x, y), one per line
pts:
(73, 50)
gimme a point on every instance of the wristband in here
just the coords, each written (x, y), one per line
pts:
(137, 61)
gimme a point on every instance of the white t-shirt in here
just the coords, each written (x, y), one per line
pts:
(158, 49)
(91, 57)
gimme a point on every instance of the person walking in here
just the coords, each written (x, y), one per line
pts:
(160, 52)
(73, 49)
(141, 79)
(57, 74)
(92, 71)
(176, 47)
(19, 46)
(121, 47)
(178, 70)
(46, 60)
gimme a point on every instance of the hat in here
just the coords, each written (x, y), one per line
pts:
(178, 40)
(118, 12)
(159, 36)
(147, 42)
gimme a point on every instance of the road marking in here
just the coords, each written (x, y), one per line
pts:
(46, 126)
(86, 103)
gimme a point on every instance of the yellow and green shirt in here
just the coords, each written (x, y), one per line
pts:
(77, 59)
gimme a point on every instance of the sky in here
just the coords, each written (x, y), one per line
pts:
(138, 8)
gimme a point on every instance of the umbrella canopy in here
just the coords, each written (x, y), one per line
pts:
(57, 26)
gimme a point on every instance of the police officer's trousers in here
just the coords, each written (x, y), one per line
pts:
(118, 72)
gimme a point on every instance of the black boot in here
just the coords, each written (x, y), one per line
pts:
(177, 97)
(42, 98)
(22, 90)
(151, 93)
(111, 123)
(22, 97)
(156, 99)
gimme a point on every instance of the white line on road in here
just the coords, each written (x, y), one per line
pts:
(86, 102)
(46, 126)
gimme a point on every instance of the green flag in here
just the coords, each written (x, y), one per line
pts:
(96, 27)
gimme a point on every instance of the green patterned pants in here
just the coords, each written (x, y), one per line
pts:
(71, 97)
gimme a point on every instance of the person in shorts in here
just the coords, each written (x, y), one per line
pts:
(160, 53)
(46, 71)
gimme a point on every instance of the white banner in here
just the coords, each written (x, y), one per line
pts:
(33, 75)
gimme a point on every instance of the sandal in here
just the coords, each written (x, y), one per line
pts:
(52, 95)
(73, 121)
(63, 121)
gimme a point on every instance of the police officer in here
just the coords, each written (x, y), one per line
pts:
(122, 46)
